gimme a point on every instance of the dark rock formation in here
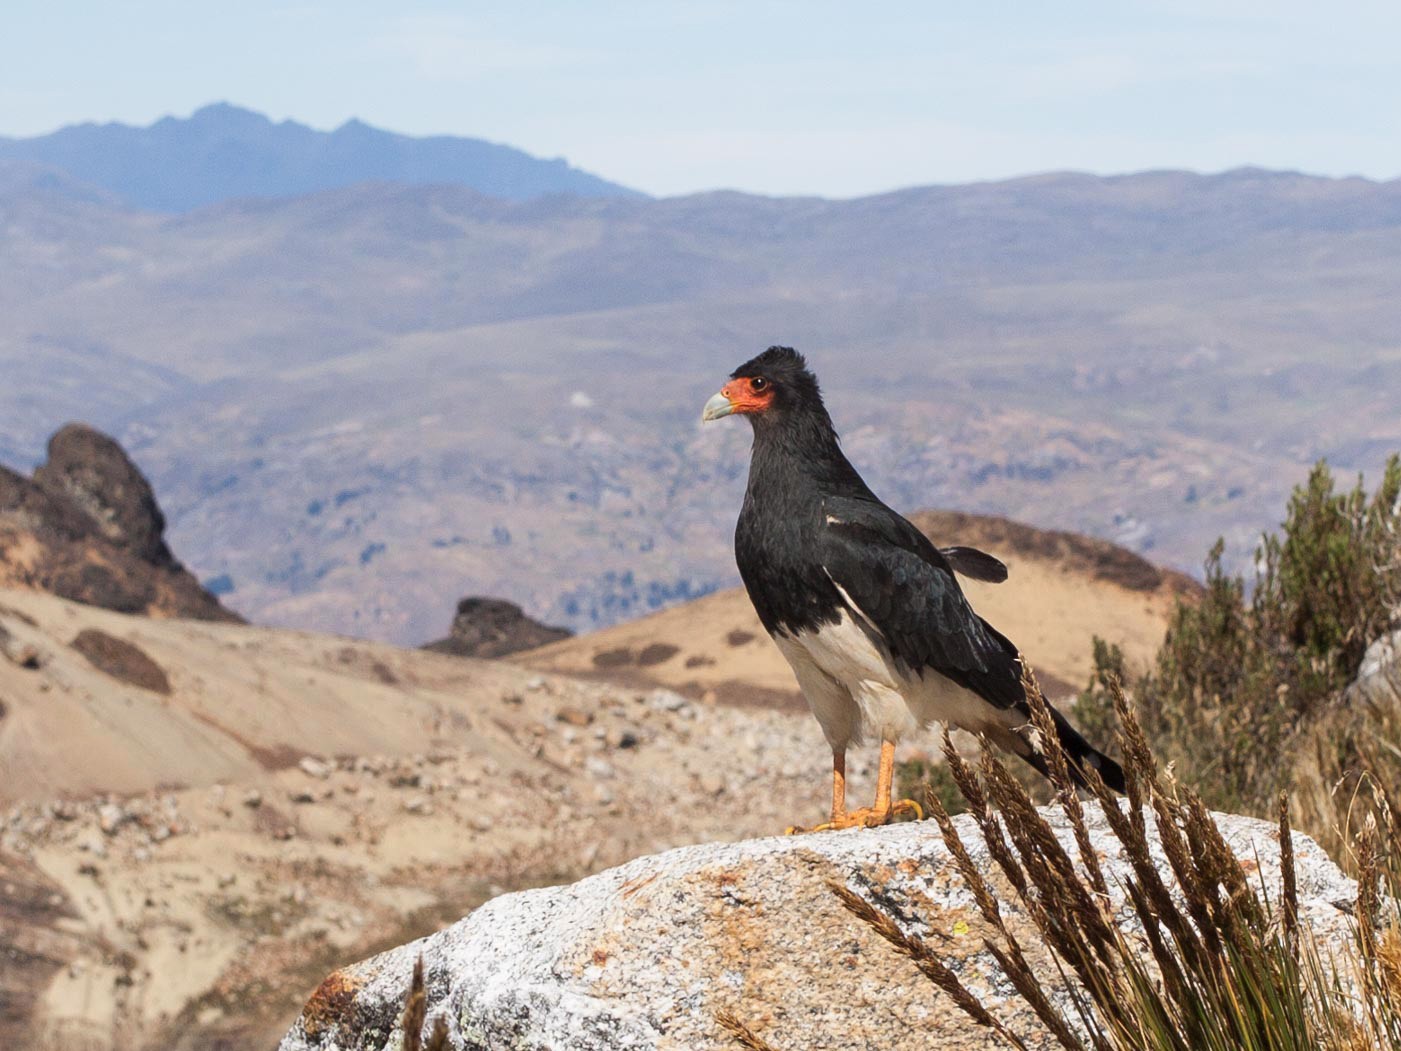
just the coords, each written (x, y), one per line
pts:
(93, 472)
(87, 527)
(493, 627)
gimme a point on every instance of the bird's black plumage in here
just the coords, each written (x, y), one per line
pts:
(904, 586)
(811, 528)
(813, 543)
(975, 564)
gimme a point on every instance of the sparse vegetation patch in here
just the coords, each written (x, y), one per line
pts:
(122, 660)
(1247, 698)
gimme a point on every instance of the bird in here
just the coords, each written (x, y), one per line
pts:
(865, 608)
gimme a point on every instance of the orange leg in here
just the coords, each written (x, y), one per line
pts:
(839, 814)
(884, 777)
(865, 817)
(838, 785)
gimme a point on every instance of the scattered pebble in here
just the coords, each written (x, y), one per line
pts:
(598, 768)
(313, 767)
(111, 817)
(667, 701)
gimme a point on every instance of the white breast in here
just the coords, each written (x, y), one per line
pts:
(859, 693)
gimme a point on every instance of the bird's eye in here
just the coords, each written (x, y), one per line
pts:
(758, 383)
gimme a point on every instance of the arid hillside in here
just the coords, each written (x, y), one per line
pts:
(1062, 590)
(198, 819)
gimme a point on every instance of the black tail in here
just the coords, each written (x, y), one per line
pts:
(975, 564)
(1081, 754)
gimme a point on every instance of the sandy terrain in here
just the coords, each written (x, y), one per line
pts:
(179, 870)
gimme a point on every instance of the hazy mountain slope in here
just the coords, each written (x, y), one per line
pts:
(1062, 591)
(361, 404)
(222, 152)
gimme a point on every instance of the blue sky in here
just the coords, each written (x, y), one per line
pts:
(818, 97)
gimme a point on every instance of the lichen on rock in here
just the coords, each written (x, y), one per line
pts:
(646, 955)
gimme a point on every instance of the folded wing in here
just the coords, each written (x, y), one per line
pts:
(904, 589)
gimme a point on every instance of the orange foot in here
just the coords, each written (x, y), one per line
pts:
(864, 817)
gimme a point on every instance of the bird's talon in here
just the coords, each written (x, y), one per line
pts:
(800, 830)
(908, 806)
(865, 817)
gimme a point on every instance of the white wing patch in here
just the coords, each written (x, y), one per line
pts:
(851, 604)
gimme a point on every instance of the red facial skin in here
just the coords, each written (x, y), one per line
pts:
(745, 398)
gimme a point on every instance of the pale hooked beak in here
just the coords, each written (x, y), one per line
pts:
(716, 407)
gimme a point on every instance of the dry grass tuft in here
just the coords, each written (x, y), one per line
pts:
(1217, 967)
(415, 1009)
(744, 1036)
(416, 1013)
(917, 950)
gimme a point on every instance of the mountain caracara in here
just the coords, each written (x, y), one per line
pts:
(863, 606)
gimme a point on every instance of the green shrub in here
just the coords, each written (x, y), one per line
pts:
(1245, 673)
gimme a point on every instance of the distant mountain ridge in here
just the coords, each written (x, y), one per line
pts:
(222, 152)
(362, 404)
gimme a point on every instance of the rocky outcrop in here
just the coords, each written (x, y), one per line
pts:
(87, 527)
(493, 627)
(646, 955)
(93, 472)
(1378, 679)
